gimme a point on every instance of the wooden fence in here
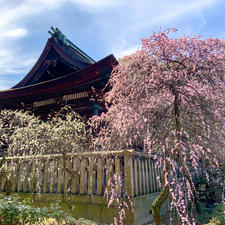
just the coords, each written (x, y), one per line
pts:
(46, 174)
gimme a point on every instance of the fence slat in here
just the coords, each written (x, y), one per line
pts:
(59, 177)
(82, 176)
(150, 176)
(75, 181)
(45, 176)
(52, 176)
(20, 178)
(38, 180)
(3, 180)
(91, 177)
(140, 189)
(100, 176)
(143, 176)
(32, 176)
(118, 171)
(15, 175)
(136, 177)
(146, 175)
(129, 181)
(109, 173)
(67, 176)
(27, 173)
(154, 177)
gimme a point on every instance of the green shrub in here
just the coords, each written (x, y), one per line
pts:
(216, 217)
(57, 213)
(16, 212)
(218, 213)
(214, 221)
(12, 211)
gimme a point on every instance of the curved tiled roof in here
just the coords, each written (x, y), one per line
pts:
(90, 73)
(70, 54)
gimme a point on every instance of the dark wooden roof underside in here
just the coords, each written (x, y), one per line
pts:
(90, 75)
(63, 74)
(55, 52)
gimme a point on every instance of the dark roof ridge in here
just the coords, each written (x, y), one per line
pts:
(66, 80)
(61, 45)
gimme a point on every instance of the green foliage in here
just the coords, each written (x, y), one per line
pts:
(218, 213)
(16, 212)
(12, 211)
(57, 212)
(212, 217)
(214, 221)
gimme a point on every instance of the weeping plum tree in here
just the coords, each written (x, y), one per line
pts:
(168, 99)
(23, 134)
(13, 125)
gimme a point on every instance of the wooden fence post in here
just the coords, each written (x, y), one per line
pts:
(140, 183)
(27, 173)
(90, 176)
(76, 178)
(52, 176)
(38, 183)
(146, 175)
(45, 176)
(15, 175)
(67, 176)
(100, 176)
(143, 176)
(82, 176)
(109, 172)
(20, 182)
(154, 177)
(129, 181)
(136, 190)
(60, 177)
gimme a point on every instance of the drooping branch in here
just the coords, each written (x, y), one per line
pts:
(169, 96)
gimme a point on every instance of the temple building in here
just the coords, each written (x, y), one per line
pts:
(63, 75)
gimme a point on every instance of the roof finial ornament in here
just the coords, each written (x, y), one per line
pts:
(59, 36)
(57, 33)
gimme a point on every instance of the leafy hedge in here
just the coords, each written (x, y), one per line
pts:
(217, 216)
(16, 212)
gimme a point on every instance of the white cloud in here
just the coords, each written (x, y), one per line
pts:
(149, 15)
(12, 64)
(97, 3)
(119, 53)
(118, 23)
(9, 64)
(5, 84)
(14, 33)
(13, 17)
(12, 29)
(161, 12)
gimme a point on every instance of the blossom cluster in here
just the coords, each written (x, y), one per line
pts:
(168, 99)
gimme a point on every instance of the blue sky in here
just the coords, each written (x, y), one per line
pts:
(98, 27)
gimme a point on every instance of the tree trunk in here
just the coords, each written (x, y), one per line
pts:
(164, 193)
(156, 206)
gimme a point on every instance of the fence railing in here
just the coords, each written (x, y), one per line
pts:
(88, 173)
